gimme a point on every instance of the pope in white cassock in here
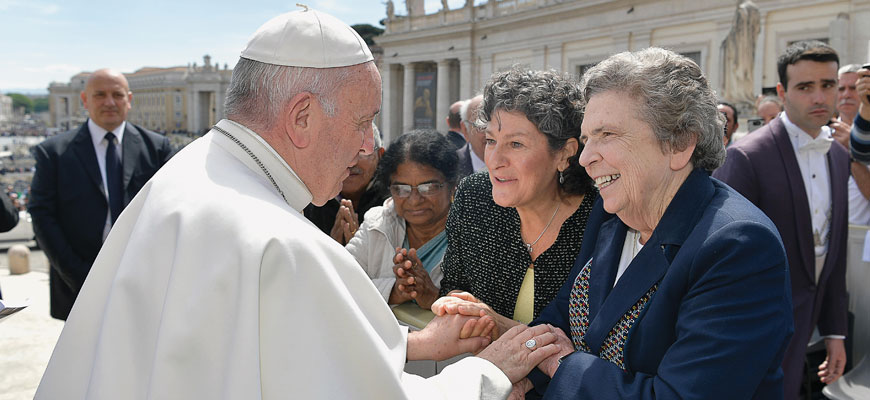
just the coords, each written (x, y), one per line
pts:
(212, 285)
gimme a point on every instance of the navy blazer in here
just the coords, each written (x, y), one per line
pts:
(69, 205)
(717, 325)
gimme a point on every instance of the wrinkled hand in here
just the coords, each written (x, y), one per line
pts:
(346, 223)
(510, 354)
(412, 280)
(565, 346)
(520, 389)
(832, 368)
(841, 132)
(440, 339)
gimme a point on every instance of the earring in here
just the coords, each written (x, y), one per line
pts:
(561, 178)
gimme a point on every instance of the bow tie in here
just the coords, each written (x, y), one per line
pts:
(819, 145)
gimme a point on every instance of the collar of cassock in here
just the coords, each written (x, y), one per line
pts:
(273, 169)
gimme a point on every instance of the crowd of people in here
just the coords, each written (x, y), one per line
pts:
(585, 238)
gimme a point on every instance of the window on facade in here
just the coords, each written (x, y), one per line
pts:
(694, 55)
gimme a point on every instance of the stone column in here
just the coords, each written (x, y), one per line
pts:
(408, 99)
(465, 88)
(442, 98)
(554, 56)
(389, 103)
(539, 57)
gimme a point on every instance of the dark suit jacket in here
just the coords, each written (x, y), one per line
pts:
(69, 205)
(455, 139)
(715, 327)
(762, 167)
(465, 167)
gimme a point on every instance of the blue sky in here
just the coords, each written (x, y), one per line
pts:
(50, 40)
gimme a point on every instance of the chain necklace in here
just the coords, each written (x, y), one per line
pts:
(253, 157)
(529, 245)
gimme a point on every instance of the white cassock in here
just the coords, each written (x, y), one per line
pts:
(212, 285)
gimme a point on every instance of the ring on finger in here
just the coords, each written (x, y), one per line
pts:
(530, 344)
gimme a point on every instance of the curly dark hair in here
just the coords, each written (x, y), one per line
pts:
(553, 102)
(422, 146)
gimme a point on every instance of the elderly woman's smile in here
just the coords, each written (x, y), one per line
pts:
(605, 181)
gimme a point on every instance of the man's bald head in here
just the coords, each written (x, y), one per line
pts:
(107, 98)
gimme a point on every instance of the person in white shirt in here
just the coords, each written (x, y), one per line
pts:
(792, 171)
(213, 285)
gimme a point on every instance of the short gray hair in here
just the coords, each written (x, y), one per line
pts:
(673, 97)
(379, 141)
(849, 68)
(258, 91)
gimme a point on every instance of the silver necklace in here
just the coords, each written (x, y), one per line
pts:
(529, 245)
(253, 157)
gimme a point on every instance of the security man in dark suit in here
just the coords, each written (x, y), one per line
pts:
(83, 180)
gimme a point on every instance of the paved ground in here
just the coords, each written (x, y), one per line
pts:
(28, 337)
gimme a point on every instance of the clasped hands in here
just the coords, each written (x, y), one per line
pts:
(412, 280)
(463, 303)
(346, 223)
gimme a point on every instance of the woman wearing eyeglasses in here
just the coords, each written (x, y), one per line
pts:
(420, 170)
(515, 230)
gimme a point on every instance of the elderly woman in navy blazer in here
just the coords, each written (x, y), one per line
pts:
(681, 288)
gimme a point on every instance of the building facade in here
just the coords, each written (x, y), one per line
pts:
(431, 60)
(174, 99)
(5, 108)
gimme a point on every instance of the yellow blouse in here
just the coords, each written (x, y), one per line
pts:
(525, 307)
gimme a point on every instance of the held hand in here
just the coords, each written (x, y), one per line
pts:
(565, 346)
(512, 354)
(841, 131)
(458, 302)
(832, 368)
(520, 389)
(463, 303)
(439, 340)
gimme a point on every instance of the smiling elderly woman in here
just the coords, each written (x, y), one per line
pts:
(681, 289)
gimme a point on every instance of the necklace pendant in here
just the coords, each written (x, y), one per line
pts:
(528, 247)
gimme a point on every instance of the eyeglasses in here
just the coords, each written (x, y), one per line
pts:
(425, 189)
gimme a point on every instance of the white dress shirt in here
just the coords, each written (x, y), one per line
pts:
(811, 155)
(630, 247)
(476, 163)
(98, 137)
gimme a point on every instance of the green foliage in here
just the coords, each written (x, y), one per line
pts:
(40, 104)
(19, 100)
(367, 32)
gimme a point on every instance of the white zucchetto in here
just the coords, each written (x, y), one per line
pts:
(307, 38)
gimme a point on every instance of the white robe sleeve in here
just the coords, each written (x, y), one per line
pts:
(325, 333)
